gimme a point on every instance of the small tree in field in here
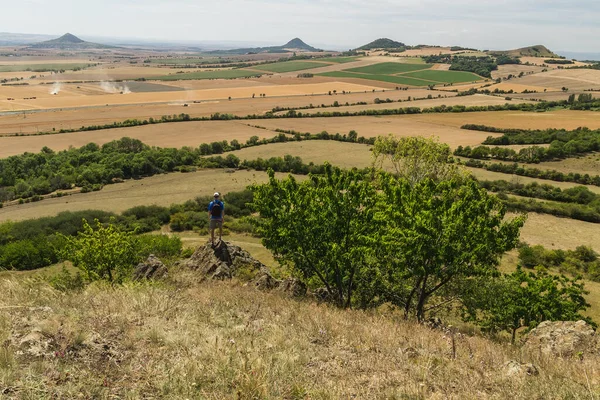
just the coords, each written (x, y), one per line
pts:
(103, 253)
(321, 228)
(414, 158)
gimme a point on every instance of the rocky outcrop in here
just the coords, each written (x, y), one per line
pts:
(152, 268)
(225, 261)
(562, 338)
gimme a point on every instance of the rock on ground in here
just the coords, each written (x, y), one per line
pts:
(152, 268)
(562, 338)
(516, 369)
(225, 261)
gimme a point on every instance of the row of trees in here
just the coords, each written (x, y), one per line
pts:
(524, 136)
(581, 261)
(90, 166)
(533, 154)
(553, 175)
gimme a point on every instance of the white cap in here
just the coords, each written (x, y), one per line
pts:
(216, 194)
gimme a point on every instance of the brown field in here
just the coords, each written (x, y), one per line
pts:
(518, 87)
(589, 164)
(375, 126)
(176, 134)
(69, 100)
(510, 69)
(574, 79)
(560, 233)
(474, 100)
(75, 118)
(540, 61)
(564, 119)
(162, 190)
(105, 72)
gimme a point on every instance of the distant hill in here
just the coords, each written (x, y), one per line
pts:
(383, 43)
(294, 45)
(531, 51)
(68, 42)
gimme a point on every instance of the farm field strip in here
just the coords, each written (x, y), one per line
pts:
(389, 68)
(399, 79)
(175, 134)
(42, 67)
(445, 76)
(222, 74)
(54, 102)
(289, 66)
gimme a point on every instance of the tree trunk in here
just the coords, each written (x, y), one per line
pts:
(422, 298)
(410, 297)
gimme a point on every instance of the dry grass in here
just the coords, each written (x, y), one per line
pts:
(514, 69)
(221, 340)
(162, 190)
(560, 233)
(176, 134)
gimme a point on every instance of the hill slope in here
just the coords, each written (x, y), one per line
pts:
(188, 339)
(530, 51)
(70, 42)
(293, 45)
(383, 43)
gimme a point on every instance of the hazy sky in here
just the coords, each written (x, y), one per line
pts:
(560, 24)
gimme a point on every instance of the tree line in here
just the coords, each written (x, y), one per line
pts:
(553, 175)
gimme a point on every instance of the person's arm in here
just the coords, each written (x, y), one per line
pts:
(222, 211)
(209, 209)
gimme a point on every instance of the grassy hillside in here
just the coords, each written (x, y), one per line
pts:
(530, 51)
(185, 339)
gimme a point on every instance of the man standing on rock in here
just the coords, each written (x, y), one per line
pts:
(216, 213)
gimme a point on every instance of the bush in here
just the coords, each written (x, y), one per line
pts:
(162, 246)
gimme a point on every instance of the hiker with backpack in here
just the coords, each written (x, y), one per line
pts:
(216, 213)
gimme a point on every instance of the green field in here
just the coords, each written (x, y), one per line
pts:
(445, 76)
(399, 79)
(219, 74)
(183, 61)
(41, 67)
(289, 66)
(339, 60)
(389, 68)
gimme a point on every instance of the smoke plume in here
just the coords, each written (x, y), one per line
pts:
(55, 88)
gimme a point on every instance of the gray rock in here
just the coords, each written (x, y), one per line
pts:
(152, 268)
(562, 338)
(516, 369)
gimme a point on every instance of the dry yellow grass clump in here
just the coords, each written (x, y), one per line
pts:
(211, 340)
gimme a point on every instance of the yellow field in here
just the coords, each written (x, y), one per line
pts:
(74, 118)
(47, 101)
(162, 190)
(574, 79)
(376, 126)
(560, 233)
(475, 100)
(514, 69)
(565, 119)
(176, 134)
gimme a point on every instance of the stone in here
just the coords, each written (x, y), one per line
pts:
(516, 369)
(152, 268)
(293, 287)
(561, 338)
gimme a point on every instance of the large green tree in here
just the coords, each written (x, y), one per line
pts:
(435, 232)
(321, 228)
